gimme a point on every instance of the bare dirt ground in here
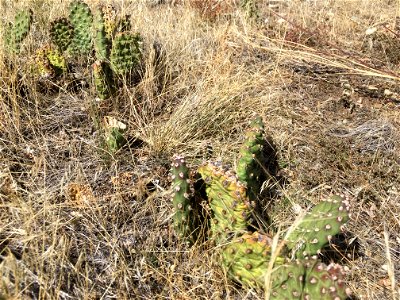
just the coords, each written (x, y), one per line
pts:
(78, 222)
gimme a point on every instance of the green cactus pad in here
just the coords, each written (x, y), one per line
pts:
(249, 170)
(103, 80)
(101, 43)
(318, 226)
(82, 19)
(15, 33)
(308, 279)
(61, 32)
(246, 258)
(185, 220)
(125, 53)
(229, 203)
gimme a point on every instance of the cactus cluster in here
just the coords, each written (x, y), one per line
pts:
(117, 52)
(16, 33)
(247, 257)
(116, 48)
(74, 34)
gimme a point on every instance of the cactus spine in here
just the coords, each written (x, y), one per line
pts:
(246, 255)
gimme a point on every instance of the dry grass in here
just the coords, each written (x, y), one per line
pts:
(77, 222)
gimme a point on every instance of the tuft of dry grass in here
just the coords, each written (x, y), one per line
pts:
(78, 222)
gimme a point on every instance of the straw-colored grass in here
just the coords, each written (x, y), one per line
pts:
(78, 222)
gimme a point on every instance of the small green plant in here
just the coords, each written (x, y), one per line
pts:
(186, 218)
(297, 272)
(16, 33)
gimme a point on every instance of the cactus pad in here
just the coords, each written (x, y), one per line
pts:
(81, 18)
(103, 81)
(22, 25)
(185, 218)
(246, 258)
(249, 170)
(125, 53)
(228, 201)
(16, 33)
(318, 226)
(62, 33)
(308, 279)
(101, 43)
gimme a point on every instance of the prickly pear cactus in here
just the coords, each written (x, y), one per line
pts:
(81, 19)
(228, 201)
(125, 53)
(62, 33)
(101, 42)
(16, 33)
(249, 168)
(318, 226)
(297, 272)
(185, 218)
